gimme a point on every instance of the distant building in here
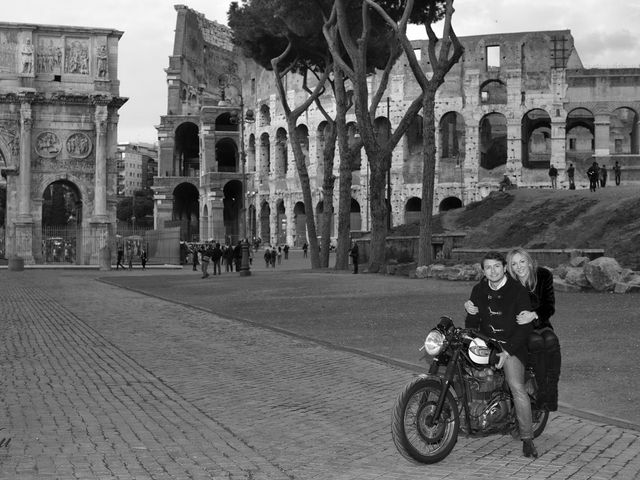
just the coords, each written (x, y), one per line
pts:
(515, 104)
(137, 166)
(59, 102)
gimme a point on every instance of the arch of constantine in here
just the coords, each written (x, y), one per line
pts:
(514, 105)
(59, 101)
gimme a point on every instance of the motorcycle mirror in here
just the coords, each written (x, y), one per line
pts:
(445, 323)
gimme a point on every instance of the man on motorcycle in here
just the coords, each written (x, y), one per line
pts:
(492, 308)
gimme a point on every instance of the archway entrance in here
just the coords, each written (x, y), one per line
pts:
(232, 200)
(186, 211)
(281, 223)
(61, 223)
(450, 203)
(265, 227)
(300, 220)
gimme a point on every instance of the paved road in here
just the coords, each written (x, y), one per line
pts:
(106, 383)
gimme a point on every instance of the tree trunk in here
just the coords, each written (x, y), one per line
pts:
(377, 184)
(425, 250)
(328, 183)
(305, 186)
(346, 176)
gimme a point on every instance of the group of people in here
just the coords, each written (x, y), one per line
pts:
(131, 251)
(513, 303)
(274, 254)
(216, 255)
(597, 175)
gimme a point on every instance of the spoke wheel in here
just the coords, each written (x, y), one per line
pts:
(417, 434)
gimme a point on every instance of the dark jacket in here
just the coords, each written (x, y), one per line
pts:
(543, 300)
(497, 315)
(216, 254)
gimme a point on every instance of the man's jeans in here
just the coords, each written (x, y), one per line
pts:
(514, 373)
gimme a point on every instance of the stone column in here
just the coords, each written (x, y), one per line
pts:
(26, 122)
(558, 146)
(602, 123)
(24, 223)
(100, 194)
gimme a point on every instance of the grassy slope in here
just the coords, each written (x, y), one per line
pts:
(608, 218)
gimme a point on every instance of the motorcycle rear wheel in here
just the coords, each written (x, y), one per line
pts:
(540, 416)
(418, 436)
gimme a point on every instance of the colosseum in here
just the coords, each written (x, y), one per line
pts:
(514, 105)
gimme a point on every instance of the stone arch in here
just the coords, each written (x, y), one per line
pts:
(186, 201)
(251, 154)
(493, 92)
(450, 203)
(300, 221)
(232, 210)
(580, 137)
(281, 223)
(412, 210)
(536, 139)
(186, 153)
(265, 225)
(281, 153)
(452, 147)
(226, 122)
(265, 155)
(227, 155)
(623, 131)
(493, 140)
(61, 222)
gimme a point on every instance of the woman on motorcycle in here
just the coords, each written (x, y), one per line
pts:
(544, 346)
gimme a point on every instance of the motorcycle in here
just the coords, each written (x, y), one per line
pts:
(463, 391)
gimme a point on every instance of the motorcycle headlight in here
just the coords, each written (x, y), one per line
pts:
(434, 342)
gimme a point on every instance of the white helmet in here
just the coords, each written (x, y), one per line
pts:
(479, 351)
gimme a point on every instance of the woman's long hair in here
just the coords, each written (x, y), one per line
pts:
(532, 278)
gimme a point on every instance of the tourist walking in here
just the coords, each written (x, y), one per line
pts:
(228, 259)
(305, 247)
(279, 254)
(120, 256)
(592, 173)
(237, 255)
(194, 258)
(603, 176)
(616, 173)
(286, 251)
(571, 171)
(205, 259)
(553, 175)
(267, 256)
(216, 256)
(143, 258)
(354, 256)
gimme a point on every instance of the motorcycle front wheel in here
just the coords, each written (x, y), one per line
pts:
(417, 434)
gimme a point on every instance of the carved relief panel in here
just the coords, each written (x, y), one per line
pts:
(8, 49)
(76, 56)
(10, 137)
(48, 145)
(78, 145)
(49, 55)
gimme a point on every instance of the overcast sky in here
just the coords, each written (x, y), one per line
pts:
(606, 34)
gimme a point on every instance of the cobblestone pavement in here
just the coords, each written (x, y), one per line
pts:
(100, 382)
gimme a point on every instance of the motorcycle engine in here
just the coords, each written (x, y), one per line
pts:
(489, 405)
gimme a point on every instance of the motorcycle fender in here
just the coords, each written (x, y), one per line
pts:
(440, 380)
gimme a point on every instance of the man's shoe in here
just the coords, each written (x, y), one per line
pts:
(529, 449)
